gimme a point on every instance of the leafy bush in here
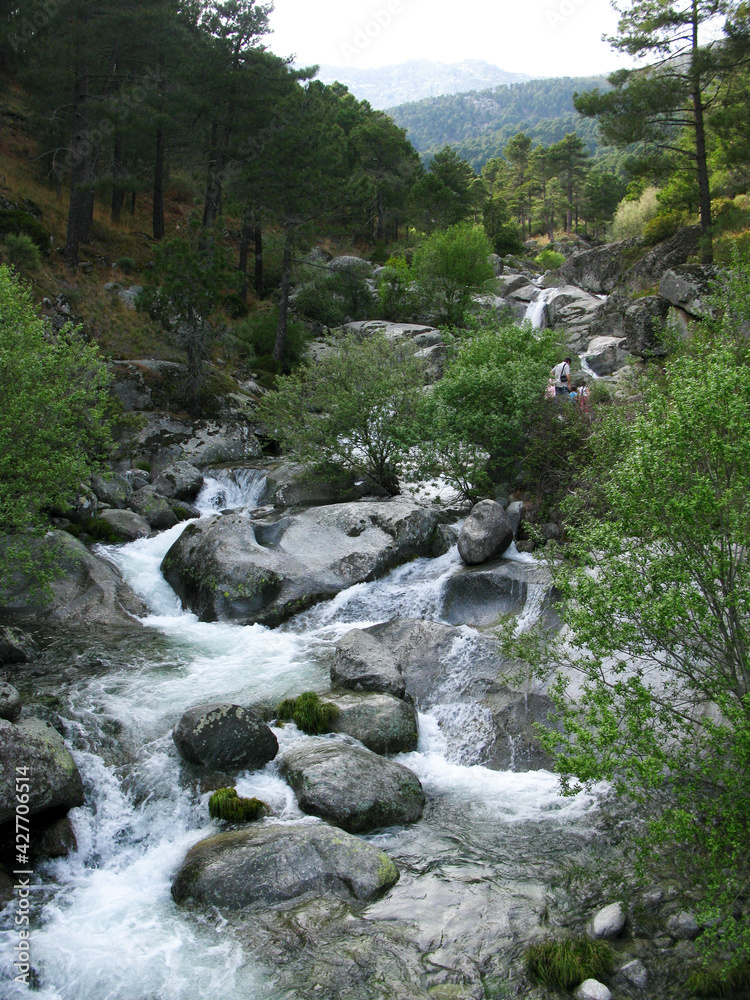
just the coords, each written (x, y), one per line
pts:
(632, 216)
(126, 264)
(550, 260)
(555, 452)
(396, 298)
(254, 337)
(356, 409)
(225, 804)
(662, 226)
(478, 412)
(23, 253)
(450, 267)
(333, 297)
(503, 231)
(54, 421)
(15, 222)
(566, 964)
(308, 713)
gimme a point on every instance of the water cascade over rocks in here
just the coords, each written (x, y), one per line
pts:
(461, 863)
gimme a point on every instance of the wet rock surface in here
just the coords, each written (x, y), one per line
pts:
(224, 737)
(383, 723)
(54, 780)
(271, 864)
(352, 787)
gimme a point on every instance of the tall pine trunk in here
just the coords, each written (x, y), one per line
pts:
(118, 169)
(258, 248)
(82, 153)
(158, 212)
(279, 348)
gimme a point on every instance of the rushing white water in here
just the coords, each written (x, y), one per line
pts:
(536, 311)
(111, 931)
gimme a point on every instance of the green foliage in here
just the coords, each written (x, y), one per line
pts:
(479, 411)
(126, 264)
(716, 981)
(333, 297)
(396, 298)
(504, 232)
(450, 267)
(254, 337)
(54, 423)
(14, 222)
(656, 594)
(225, 804)
(23, 253)
(356, 409)
(662, 226)
(564, 965)
(308, 713)
(556, 452)
(550, 260)
(192, 276)
(632, 216)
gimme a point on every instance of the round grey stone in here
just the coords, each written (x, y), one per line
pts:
(224, 737)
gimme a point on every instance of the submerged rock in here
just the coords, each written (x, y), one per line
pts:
(232, 567)
(383, 723)
(53, 778)
(224, 737)
(351, 787)
(273, 864)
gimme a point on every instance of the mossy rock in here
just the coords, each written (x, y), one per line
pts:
(226, 804)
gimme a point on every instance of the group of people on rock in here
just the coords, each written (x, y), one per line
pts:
(560, 386)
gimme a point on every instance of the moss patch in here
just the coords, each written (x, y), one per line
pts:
(308, 712)
(225, 804)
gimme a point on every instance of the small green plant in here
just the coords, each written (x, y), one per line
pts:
(718, 981)
(333, 297)
(565, 964)
(550, 260)
(15, 222)
(662, 227)
(23, 253)
(308, 713)
(226, 804)
(396, 300)
(126, 264)
(253, 338)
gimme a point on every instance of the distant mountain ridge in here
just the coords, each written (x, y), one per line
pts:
(417, 79)
(479, 124)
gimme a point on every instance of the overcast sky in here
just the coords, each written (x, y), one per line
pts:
(537, 37)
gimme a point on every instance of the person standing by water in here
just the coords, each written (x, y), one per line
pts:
(561, 374)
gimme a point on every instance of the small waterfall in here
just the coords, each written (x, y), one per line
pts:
(536, 311)
(225, 489)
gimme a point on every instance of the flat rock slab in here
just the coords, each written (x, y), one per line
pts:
(351, 787)
(383, 723)
(232, 567)
(268, 864)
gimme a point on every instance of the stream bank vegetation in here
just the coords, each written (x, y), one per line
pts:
(651, 677)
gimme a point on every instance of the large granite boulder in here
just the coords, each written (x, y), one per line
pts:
(113, 489)
(606, 355)
(362, 663)
(126, 524)
(419, 333)
(53, 778)
(224, 737)
(598, 270)
(644, 321)
(152, 507)
(352, 787)
(264, 865)
(515, 716)
(688, 287)
(486, 532)
(351, 265)
(181, 481)
(481, 595)
(83, 587)
(383, 723)
(677, 250)
(233, 567)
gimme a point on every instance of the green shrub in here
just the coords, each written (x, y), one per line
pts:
(727, 247)
(254, 338)
(15, 222)
(450, 267)
(396, 299)
(308, 713)
(126, 264)
(631, 216)
(566, 964)
(662, 226)
(333, 297)
(23, 253)
(225, 804)
(718, 981)
(550, 259)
